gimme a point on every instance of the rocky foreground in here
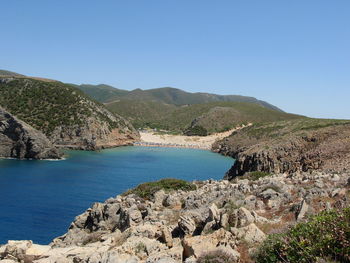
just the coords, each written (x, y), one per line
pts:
(20, 140)
(233, 217)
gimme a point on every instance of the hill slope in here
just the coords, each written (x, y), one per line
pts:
(6, 73)
(65, 114)
(102, 92)
(213, 116)
(179, 111)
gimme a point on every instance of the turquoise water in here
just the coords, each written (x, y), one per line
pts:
(39, 199)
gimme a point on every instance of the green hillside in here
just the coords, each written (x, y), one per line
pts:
(142, 113)
(102, 92)
(48, 105)
(6, 73)
(213, 117)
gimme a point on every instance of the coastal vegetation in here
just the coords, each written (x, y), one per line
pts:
(324, 236)
(147, 190)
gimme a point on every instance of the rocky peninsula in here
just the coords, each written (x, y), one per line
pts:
(288, 147)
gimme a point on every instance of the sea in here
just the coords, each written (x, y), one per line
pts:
(39, 199)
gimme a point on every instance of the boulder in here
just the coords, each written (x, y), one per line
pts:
(214, 214)
(197, 245)
(251, 234)
(241, 217)
(166, 236)
(187, 224)
(301, 210)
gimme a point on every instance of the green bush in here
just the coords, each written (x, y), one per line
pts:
(325, 236)
(216, 256)
(256, 175)
(196, 131)
(147, 190)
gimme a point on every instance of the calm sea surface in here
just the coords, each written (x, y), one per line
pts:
(39, 199)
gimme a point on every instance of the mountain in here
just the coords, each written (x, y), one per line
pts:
(179, 111)
(107, 94)
(6, 73)
(64, 114)
(102, 92)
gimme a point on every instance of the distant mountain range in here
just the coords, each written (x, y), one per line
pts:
(106, 94)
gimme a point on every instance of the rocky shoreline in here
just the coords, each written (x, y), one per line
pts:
(181, 226)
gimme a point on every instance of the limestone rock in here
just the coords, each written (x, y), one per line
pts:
(187, 224)
(214, 214)
(166, 236)
(197, 245)
(302, 210)
(251, 234)
(241, 217)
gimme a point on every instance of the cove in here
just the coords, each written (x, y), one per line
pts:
(39, 199)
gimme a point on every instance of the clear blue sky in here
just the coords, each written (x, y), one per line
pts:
(294, 54)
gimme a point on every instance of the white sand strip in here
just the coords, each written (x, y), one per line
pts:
(181, 141)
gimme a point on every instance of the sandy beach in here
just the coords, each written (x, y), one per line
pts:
(181, 141)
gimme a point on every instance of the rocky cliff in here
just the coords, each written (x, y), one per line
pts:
(288, 146)
(227, 219)
(19, 140)
(64, 114)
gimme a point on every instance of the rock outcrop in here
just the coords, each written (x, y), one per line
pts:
(222, 216)
(95, 133)
(19, 140)
(294, 146)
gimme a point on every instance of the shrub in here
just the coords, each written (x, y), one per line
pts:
(256, 175)
(147, 190)
(325, 236)
(216, 256)
(196, 131)
(140, 247)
